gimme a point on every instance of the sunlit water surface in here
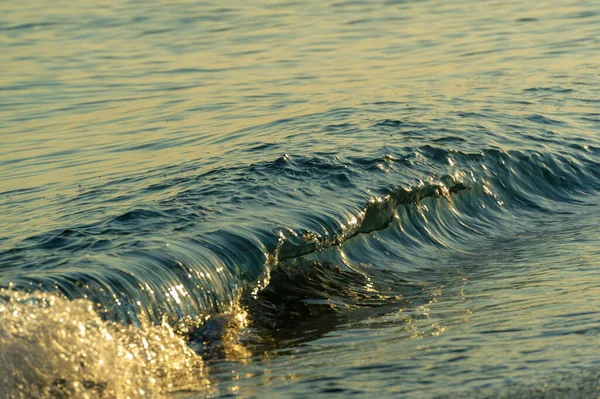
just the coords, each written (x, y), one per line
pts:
(371, 198)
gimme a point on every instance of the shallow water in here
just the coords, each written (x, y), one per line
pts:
(203, 199)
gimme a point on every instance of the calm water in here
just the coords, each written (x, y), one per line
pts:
(300, 199)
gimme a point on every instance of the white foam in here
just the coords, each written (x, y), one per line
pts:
(54, 347)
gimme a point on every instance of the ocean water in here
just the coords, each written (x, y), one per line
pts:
(299, 199)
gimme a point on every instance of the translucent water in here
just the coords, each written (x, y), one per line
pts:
(389, 198)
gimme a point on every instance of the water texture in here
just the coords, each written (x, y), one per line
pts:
(292, 199)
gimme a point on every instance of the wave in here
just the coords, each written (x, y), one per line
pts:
(194, 294)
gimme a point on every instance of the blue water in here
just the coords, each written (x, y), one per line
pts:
(216, 199)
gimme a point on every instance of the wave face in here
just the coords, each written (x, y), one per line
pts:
(225, 203)
(170, 262)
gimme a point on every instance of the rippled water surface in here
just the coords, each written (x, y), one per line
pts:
(293, 199)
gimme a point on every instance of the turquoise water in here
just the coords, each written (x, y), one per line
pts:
(266, 199)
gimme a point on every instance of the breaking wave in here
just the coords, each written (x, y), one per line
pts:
(135, 304)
